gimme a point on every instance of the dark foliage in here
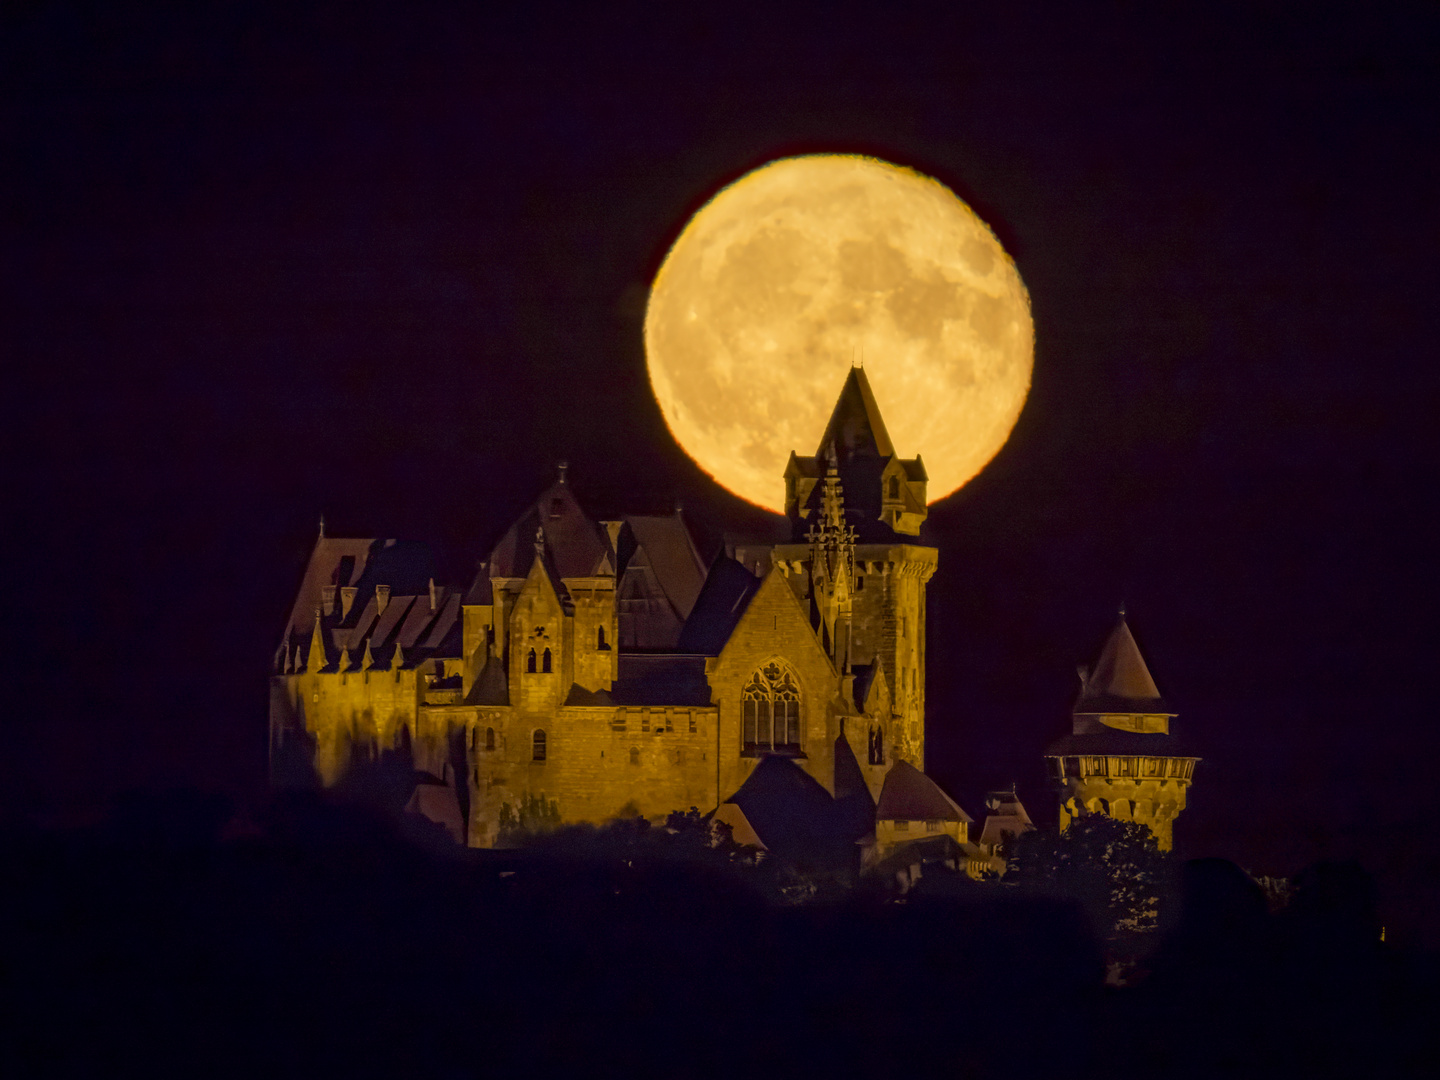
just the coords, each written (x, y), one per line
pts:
(332, 938)
(1112, 868)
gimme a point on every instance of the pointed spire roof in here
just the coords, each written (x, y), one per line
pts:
(857, 445)
(1121, 680)
(855, 425)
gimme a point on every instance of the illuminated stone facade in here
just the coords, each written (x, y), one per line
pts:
(1122, 758)
(594, 668)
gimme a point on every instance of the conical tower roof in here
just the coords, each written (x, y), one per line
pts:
(855, 426)
(1121, 681)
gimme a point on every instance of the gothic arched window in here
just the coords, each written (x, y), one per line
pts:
(894, 487)
(634, 755)
(537, 745)
(772, 709)
(489, 738)
(530, 662)
(545, 661)
(600, 638)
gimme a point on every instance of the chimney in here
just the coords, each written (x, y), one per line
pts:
(327, 599)
(382, 598)
(347, 600)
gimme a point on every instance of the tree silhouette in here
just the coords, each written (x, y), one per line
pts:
(1114, 869)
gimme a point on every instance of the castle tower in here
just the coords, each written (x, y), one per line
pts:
(854, 508)
(1121, 757)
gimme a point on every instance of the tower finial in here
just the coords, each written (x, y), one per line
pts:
(1122, 609)
(563, 466)
(539, 541)
(322, 526)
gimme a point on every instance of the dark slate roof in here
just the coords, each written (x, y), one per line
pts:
(1120, 744)
(999, 826)
(443, 634)
(337, 561)
(492, 685)
(576, 545)
(661, 679)
(856, 425)
(722, 601)
(848, 777)
(854, 808)
(910, 795)
(388, 624)
(480, 591)
(794, 816)
(580, 696)
(672, 558)
(1120, 682)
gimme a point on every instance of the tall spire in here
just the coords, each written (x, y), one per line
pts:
(856, 426)
(832, 567)
(884, 494)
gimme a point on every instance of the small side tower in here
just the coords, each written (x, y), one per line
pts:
(1121, 757)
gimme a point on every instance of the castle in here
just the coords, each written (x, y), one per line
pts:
(598, 668)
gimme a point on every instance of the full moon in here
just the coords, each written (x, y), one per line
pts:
(811, 264)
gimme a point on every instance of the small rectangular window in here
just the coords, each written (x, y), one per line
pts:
(644, 719)
(932, 825)
(902, 826)
(692, 722)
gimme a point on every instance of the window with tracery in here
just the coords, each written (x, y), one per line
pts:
(772, 709)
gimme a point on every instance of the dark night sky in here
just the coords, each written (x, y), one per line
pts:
(388, 264)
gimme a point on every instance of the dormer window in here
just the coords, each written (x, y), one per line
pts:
(557, 507)
(893, 491)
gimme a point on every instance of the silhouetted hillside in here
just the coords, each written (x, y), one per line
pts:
(334, 940)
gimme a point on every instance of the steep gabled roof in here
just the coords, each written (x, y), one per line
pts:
(337, 561)
(1121, 681)
(721, 602)
(575, 544)
(491, 688)
(793, 815)
(910, 795)
(672, 559)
